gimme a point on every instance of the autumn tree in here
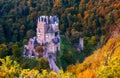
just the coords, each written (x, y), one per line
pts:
(39, 49)
(111, 70)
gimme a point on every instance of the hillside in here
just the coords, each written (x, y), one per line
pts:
(97, 21)
(103, 63)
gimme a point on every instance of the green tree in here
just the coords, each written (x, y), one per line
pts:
(16, 50)
(30, 33)
(90, 44)
(3, 50)
(42, 64)
(2, 36)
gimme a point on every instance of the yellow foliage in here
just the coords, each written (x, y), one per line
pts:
(29, 73)
(10, 69)
(88, 68)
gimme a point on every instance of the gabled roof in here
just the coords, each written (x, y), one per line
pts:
(50, 29)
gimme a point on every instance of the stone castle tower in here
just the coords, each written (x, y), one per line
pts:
(48, 33)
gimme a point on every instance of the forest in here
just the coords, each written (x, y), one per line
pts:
(97, 21)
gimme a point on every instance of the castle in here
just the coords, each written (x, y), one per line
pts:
(47, 36)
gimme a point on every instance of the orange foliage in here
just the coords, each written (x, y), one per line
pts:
(90, 5)
(115, 5)
(56, 3)
(79, 16)
(88, 68)
(102, 11)
(114, 28)
(28, 2)
(86, 74)
(86, 14)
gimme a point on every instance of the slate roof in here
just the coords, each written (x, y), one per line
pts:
(50, 29)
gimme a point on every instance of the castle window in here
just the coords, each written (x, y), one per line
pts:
(42, 19)
(49, 21)
(54, 20)
(31, 42)
(56, 33)
(39, 19)
(39, 31)
(45, 20)
(46, 36)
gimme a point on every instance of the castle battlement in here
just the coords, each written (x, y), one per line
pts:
(48, 19)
